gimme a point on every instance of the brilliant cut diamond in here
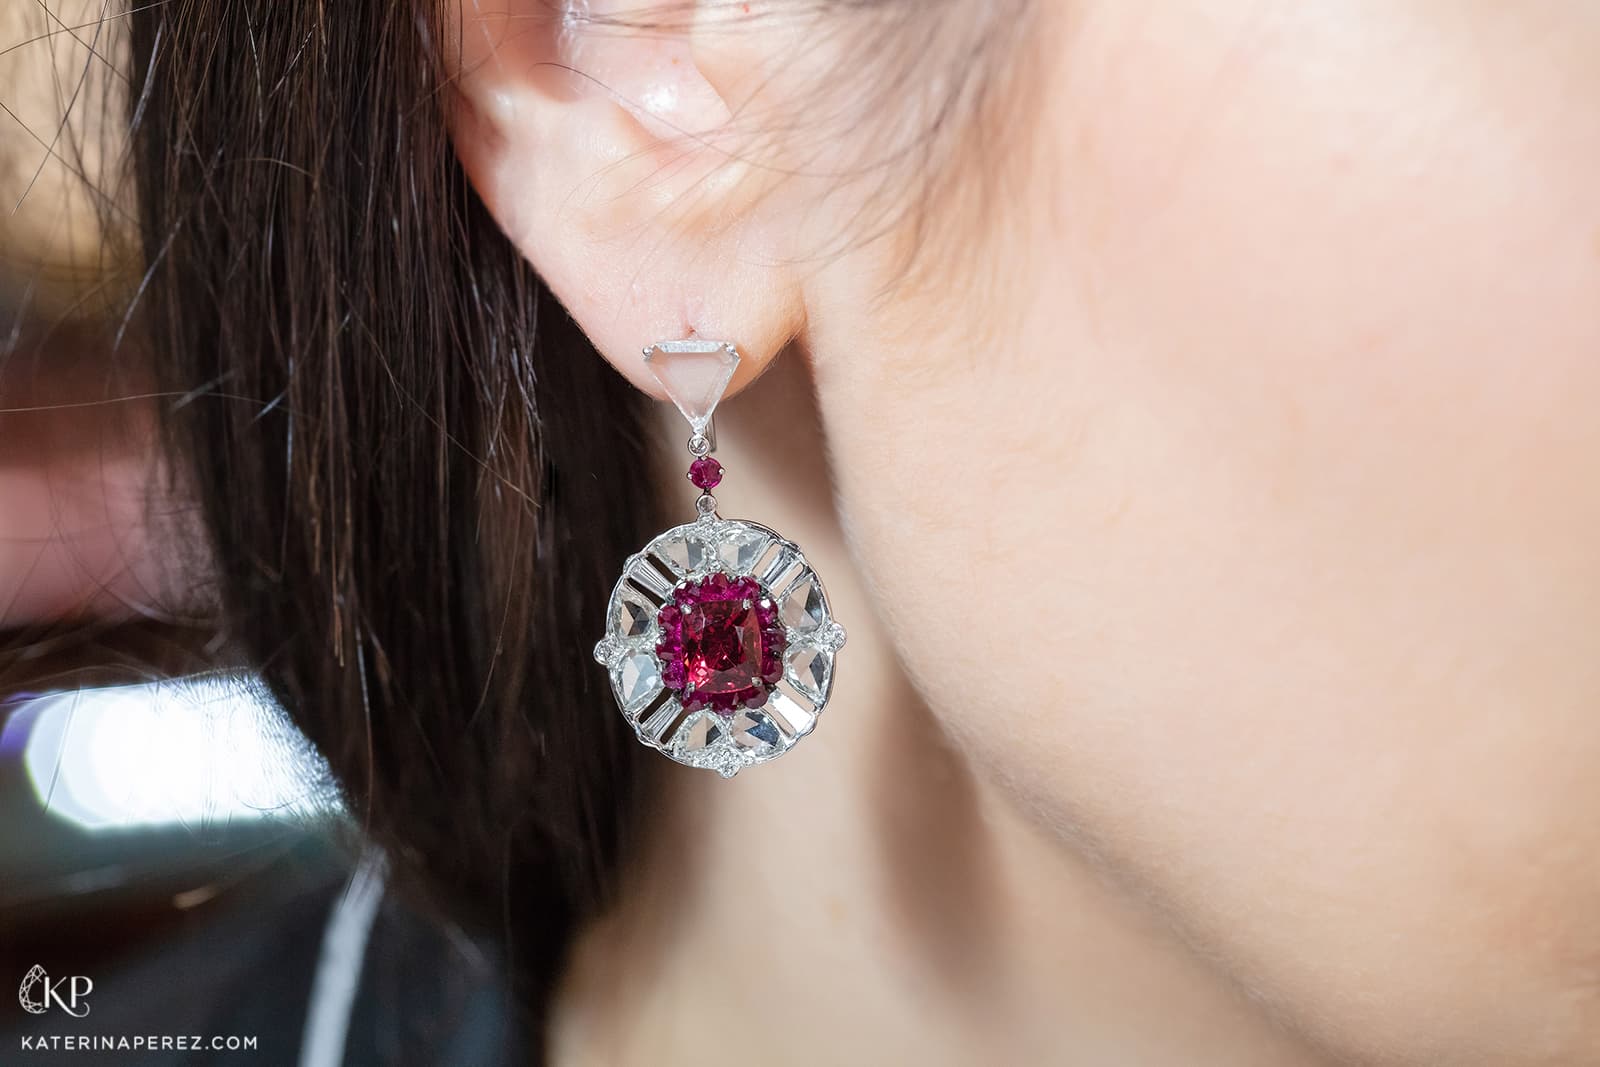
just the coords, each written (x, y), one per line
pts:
(684, 604)
(834, 636)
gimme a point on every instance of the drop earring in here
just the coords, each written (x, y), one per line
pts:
(719, 641)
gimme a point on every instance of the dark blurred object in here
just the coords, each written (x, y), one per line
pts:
(218, 919)
(251, 964)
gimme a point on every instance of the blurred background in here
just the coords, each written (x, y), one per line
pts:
(175, 842)
(164, 832)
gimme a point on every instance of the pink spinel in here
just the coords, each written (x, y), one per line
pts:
(705, 473)
(721, 643)
(722, 646)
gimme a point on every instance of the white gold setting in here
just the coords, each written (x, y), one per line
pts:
(725, 743)
(785, 706)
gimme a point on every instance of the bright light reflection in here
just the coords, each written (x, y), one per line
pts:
(194, 752)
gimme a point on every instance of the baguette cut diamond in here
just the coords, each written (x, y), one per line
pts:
(720, 644)
(719, 639)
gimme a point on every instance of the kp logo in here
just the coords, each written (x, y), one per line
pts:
(70, 994)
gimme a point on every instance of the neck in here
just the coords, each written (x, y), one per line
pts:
(867, 899)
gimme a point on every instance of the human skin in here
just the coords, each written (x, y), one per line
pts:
(1210, 502)
(79, 482)
(1223, 483)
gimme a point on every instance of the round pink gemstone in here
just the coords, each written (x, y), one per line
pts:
(721, 644)
(705, 473)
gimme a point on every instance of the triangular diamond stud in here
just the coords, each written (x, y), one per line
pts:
(695, 374)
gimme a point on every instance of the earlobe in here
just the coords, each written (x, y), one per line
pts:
(605, 154)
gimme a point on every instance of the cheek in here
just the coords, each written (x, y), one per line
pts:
(1258, 545)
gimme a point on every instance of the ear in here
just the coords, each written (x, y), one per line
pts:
(611, 156)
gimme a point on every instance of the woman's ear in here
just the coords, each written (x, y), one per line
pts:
(609, 146)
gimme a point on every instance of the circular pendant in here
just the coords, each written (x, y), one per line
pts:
(720, 644)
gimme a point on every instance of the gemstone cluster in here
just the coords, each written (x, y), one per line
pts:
(721, 643)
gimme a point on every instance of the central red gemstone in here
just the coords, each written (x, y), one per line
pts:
(722, 646)
(721, 643)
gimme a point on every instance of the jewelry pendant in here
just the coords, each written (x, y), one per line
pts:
(719, 640)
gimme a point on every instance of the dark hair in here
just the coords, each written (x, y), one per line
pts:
(416, 477)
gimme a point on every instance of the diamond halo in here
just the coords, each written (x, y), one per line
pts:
(719, 641)
(648, 679)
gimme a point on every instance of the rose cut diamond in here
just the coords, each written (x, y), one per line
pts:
(707, 665)
(694, 374)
